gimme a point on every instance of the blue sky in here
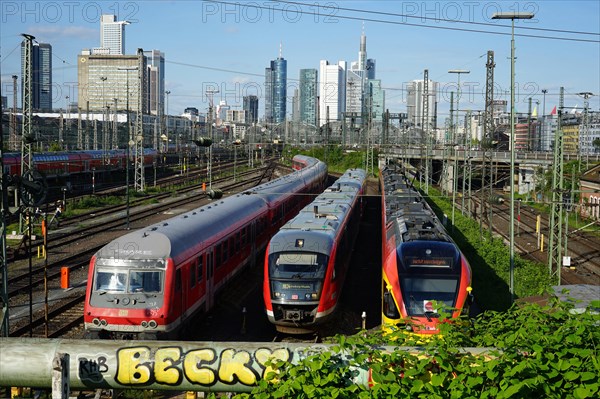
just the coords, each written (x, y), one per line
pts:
(229, 43)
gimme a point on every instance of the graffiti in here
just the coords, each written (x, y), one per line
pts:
(91, 369)
(140, 366)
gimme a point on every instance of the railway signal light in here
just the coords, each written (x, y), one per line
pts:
(203, 142)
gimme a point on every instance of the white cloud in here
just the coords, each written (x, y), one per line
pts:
(48, 33)
(231, 29)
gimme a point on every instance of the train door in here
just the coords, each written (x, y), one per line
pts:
(210, 272)
(252, 241)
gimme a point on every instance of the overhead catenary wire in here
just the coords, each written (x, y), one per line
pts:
(401, 23)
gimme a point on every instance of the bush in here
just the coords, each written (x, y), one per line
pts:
(534, 352)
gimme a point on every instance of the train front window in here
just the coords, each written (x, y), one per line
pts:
(110, 280)
(424, 295)
(133, 281)
(297, 265)
(145, 281)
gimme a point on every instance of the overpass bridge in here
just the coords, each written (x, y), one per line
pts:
(526, 162)
(476, 156)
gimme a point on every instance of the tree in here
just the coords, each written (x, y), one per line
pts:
(596, 144)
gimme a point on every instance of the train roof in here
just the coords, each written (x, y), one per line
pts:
(407, 211)
(318, 223)
(173, 237)
(207, 224)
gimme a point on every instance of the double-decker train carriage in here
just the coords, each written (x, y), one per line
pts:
(306, 262)
(423, 269)
(151, 282)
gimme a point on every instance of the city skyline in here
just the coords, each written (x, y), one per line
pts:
(226, 45)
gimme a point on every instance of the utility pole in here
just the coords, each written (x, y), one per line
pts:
(13, 140)
(139, 128)
(26, 136)
(95, 134)
(79, 130)
(210, 95)
(425, 128)
(4, 330)
(63, 145)
(467, 165)
(556, 212)
(86, 138)
(60, 128)
(448, 148)
(487, 144)
(529, 137)
(586, 120)
(115, 127)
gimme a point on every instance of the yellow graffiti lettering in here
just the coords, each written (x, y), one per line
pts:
(165, 370)
(264, 355)
(194, 371)
(236, 365)
(134, 367)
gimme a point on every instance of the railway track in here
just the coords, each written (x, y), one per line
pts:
(25, 281)
(62, 318)
(582, 247)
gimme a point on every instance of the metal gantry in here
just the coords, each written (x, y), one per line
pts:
(487, 141)
(13, 141)
(4, 328)
(586, 120)
(448, 145)
(425, 129)
(556, 211)
(26, 135)
(139, 182)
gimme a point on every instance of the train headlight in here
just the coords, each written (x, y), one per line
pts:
(103, 323)
(314, 295)
(144, 324)
(277, 294)
(96, 321)
(152, 324)
(308, 295)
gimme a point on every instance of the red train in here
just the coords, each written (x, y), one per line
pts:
(423, 269)
(306, 262)
(151, 282)
(73, 162)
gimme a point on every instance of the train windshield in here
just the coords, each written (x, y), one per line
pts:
(424, 295)
(297, 265)
(129, 276)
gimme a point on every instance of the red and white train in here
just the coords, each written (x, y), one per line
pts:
(151, 282)
(73, 162)
(306, 262)
(423, 269)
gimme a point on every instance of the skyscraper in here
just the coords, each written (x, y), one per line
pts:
(332, 91)
(112, 36)
(251, 108)
(104, 78)
(414, 102)
(276, 90)
(156, 82)
(308, 96)
(41, 82)
(375, 100)
(356, 79)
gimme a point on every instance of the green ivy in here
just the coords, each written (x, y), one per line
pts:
(539, 352)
